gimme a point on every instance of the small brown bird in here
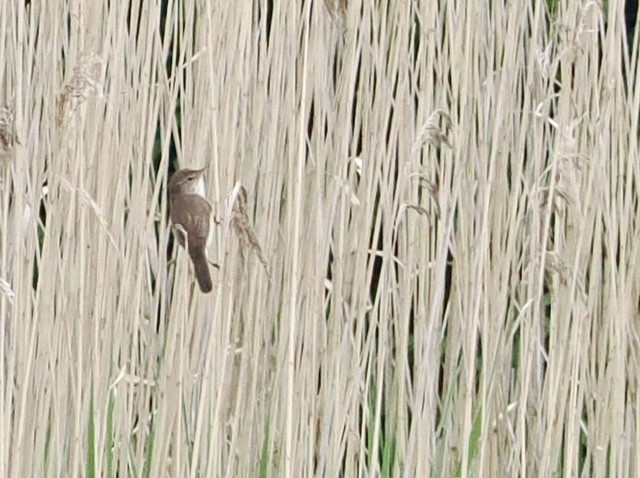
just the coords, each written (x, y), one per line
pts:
(190, 215)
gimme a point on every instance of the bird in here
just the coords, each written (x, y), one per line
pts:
(190, 215)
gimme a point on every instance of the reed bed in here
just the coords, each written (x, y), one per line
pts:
(428, 239)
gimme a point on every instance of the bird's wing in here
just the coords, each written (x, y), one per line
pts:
(193, 216)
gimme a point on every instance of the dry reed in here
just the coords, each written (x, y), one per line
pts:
(427, 253)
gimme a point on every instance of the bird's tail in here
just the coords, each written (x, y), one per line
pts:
(201, 266)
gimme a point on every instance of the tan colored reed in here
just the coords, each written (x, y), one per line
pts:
(428, 240)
